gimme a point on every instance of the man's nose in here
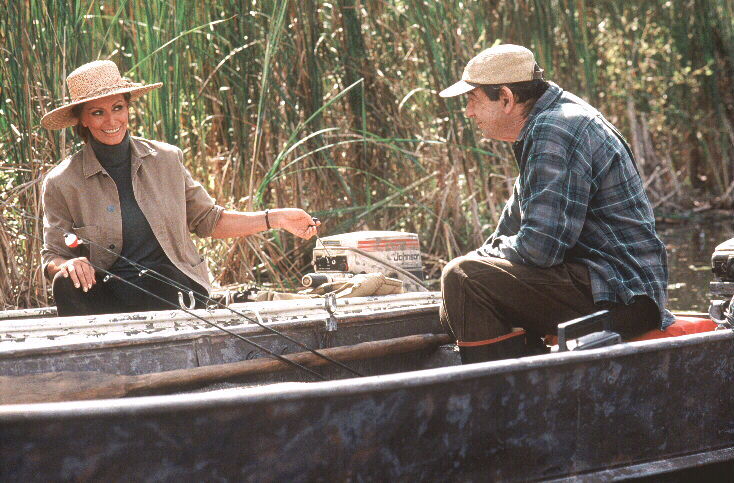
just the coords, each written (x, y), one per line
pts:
(469, 112)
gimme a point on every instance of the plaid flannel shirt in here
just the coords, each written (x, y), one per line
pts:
(579, 197)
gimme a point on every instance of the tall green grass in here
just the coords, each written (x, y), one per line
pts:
(332, 107)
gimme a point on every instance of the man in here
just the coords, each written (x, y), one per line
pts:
(577, 234)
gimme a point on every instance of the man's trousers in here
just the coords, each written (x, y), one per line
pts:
(484, 298)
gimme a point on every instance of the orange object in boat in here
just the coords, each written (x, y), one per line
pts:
(683, 325)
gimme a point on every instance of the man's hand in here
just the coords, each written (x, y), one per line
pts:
(80, 271)
(295, 221)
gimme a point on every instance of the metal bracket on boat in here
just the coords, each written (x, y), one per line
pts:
(192, 301)
(330, 305)
(590, 332)
(257, 315)
(722, 314)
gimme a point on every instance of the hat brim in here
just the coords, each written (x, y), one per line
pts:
(461, 87)
(62, 117)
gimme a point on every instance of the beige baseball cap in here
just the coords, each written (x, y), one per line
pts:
(501, 64)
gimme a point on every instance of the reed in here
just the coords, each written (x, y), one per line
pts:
(332, 107)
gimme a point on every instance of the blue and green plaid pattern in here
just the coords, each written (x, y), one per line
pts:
(580, 198)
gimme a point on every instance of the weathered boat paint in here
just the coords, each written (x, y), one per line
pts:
(634, 409)
(27, 313)
(644, 405)
(142, 343)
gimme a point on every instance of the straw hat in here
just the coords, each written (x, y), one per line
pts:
(94, 80)
(501, 64)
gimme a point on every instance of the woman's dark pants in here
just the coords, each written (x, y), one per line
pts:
(115, 296)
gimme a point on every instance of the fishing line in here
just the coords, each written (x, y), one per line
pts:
(328, 255)
(264, 349)
(202, 298)
(371, 257)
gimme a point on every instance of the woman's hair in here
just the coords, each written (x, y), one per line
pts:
(81, 131)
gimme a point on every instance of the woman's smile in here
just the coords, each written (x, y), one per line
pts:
(106, 119)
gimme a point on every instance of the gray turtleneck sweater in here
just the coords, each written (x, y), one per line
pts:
(138, 241)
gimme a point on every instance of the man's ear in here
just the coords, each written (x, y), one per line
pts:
(507, 99)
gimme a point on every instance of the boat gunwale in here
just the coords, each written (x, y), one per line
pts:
(298, 391)
(653, 467)
(275, 307)
(58, 344)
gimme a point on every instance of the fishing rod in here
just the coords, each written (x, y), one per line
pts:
(142, 270)
(161, 299)
(202, 298)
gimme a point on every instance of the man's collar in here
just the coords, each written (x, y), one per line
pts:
(549, 97)
(91, 165)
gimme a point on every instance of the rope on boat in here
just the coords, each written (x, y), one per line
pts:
(158, 276)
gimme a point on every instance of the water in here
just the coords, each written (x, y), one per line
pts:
(690, 244)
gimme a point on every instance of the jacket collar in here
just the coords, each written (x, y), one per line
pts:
(549, 97)
(138, 150)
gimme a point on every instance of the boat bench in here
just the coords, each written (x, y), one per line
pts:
(683, 325)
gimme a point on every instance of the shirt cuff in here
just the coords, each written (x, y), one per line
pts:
(209, 222)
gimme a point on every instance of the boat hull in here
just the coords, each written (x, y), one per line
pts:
(627, 410)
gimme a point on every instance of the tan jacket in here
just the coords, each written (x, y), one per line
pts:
(80, 197)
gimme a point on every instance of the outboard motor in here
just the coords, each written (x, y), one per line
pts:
(396, 254)
(722, 287)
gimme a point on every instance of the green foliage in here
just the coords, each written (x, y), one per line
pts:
(332, 107)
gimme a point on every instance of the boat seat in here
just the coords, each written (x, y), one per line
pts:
(683, 325)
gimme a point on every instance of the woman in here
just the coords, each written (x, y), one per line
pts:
(132, 198)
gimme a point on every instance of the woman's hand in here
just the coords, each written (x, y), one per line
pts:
(295, 221)
(80, 271)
